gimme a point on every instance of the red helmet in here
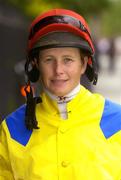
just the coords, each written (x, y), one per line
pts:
(74, 30)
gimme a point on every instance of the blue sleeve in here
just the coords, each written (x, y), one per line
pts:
(16, 126)
(111, 119)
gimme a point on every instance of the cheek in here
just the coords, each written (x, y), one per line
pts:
(83, 68)
(44, 68)
(45, 73)
(77, 69)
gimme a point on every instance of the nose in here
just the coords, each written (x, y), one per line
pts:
(59, 69)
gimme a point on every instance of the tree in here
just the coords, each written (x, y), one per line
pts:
(110, 20)
(85, 7)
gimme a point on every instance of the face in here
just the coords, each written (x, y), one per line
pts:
(61, 69)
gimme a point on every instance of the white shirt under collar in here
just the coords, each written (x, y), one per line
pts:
(62, 100)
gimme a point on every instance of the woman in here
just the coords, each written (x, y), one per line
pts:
(67, 132)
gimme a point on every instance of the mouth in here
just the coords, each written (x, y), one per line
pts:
(59, 81)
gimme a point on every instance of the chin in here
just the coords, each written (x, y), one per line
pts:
(60, 93)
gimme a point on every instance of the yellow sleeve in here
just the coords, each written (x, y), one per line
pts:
(5, 165)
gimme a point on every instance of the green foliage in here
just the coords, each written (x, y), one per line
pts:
(85, 7)
(103, 15)
(110, 20)
(32, 8)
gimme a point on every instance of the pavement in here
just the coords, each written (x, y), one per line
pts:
(109, 82)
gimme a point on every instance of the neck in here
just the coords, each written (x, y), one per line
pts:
(65, 98)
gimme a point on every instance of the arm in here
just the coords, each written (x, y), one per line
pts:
(5, 165)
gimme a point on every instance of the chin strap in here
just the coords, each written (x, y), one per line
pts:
(30, 117)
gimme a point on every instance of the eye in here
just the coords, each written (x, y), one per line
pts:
(48, 60)
(68, 60)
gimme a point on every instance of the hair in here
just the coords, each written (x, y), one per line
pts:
(34, 53)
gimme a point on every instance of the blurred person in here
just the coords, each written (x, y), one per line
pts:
(102, 48)
(66, 133)
(111, 53)
(117, 45)
(103, 45)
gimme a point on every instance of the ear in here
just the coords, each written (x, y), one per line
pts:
(34, 73)
(34, 63)
(84, 64)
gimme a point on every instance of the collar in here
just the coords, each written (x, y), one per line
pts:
(66, 98)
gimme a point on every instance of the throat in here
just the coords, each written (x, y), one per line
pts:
(63, 100)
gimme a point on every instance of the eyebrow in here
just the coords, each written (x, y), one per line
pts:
(45, 56)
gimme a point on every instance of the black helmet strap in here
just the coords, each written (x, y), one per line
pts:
(30, 117)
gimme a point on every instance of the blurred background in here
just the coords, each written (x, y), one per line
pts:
(103, 17)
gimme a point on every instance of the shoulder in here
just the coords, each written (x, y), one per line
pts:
(112, 107)
(111, 118)
(17, 116)
(16, 126)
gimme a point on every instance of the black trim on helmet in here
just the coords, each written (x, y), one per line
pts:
(58, 20)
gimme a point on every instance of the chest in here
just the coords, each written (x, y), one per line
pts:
(68, 153)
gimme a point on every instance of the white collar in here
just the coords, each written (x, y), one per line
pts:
(66, 98)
